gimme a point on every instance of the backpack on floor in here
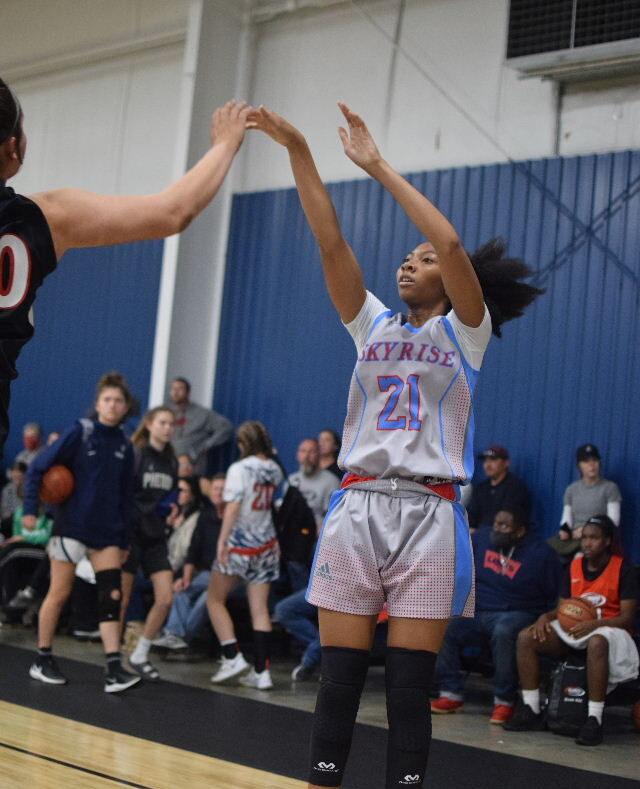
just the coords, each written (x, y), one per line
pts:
(568, 697)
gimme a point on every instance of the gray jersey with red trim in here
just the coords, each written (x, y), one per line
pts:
(410, 409)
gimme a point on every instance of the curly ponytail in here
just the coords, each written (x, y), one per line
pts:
(505, 295)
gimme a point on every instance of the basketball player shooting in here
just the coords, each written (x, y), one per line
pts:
(36, 231)
(396, 532)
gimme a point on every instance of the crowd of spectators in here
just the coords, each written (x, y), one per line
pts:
(519, 574)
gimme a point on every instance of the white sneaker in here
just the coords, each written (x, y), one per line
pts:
(261, 681)
(230, 668)
(169, 641)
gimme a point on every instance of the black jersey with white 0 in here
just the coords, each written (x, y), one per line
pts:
(27, 256)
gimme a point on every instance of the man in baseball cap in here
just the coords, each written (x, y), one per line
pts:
(590, 495)
(502, 490)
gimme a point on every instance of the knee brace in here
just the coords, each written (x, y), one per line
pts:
(343, 674)
(408, 678)
(109, 595)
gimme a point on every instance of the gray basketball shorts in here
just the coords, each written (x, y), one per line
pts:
(412, 552)
(259, 568)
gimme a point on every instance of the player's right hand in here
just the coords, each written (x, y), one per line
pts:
(222, 553)
(29, 522)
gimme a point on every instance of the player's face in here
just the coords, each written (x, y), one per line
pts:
(161, 427)
(308, 456)
(418, 278)
(111, 406)
(593, 542)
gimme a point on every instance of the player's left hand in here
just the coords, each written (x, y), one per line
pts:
(277, 127)
(584, 628)
(358, 143)
(229, 123)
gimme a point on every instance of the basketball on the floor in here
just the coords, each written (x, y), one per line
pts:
(57, 485)
(574, 610)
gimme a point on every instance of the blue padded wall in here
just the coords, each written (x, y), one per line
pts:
(95, 313)
(563, 375)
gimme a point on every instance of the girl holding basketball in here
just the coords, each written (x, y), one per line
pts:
(36, 231)
(609, 584)
(93, 522)
(156, 480)
(395, 532)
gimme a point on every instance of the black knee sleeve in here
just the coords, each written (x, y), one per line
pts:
(342, 678)
(109, 587)
(408, 678)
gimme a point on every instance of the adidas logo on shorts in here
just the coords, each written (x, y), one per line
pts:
(324, 572)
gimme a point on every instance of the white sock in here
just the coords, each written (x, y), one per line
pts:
(532, 699)
(595, 710)
(141, 652)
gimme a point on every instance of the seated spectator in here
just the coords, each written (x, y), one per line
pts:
(189, 613)
(183, 520)
(25, 544)
(12, 494)
(316, 485)
(502, 490)
(329, 443)
(300, 618)
(584, 498)
(32, 442)
(186, 468)
(612, 656)
(517, 577)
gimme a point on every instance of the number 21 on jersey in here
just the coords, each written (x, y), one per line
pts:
(264, 495)
(404, 396)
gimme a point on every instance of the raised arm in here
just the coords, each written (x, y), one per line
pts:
(83, 219)
(342, 272)
(459, 279)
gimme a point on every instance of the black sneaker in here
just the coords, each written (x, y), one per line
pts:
(590, 733)
(46, 670)
(117, 679)
(525, 719)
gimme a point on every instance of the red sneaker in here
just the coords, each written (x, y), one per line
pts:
(444, 706)
(501, 713)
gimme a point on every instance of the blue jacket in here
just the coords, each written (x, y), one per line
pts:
(98, 513)
(528, 581)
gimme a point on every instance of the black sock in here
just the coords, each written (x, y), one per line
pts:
(230, 649)
(408, 678)
(262, 646)
(44, 652)
(113, 661)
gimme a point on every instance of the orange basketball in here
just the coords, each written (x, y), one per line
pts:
(57, 485)
(574, 610)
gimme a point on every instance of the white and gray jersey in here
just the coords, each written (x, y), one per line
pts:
(410, 409)
(252, 481)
